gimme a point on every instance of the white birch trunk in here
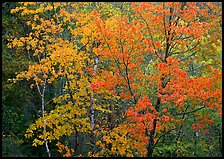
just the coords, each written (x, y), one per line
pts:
(92, 124)
(43, 107)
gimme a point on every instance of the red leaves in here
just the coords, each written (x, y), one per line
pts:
(96, 85)
(159, 95)
(93, 85)
(127, 57)
(126, 96)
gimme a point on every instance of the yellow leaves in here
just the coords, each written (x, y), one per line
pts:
(19, 44)
(22, 39)
(102, 109)
(107, 139)
(120, 143)
(40, 9)
(20, 76)
(15, 10)
(51, 39)
(83, 92)
(33, 42)
(26, 4)
(9, 45)
(84, 40)
(90, 154)
(29, 134)
(14, 42)
(100, 144)
(49, 7)
(38, 80)
(37, 142)
(28, 47)
(31, 86)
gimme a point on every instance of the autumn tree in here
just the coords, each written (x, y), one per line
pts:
(124, 75)
(166, 35)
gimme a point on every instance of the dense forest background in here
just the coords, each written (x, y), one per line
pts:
(112, 79)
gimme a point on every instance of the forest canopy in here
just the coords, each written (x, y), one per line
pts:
(112, 79)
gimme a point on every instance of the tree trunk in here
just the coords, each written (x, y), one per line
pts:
(43, 107)
(152, 132)
(92, 124)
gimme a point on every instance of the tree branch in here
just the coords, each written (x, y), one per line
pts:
(191, 111)
(151, 37)
(162, 136)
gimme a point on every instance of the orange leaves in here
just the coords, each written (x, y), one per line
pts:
(210, 121)
(135, 22)
(126, 96)
(97, 85)
(164, 110)
(206, 131)
(107, 139)
(195, 126)
(141, 115)
(65, 148)
(181, 88)
(130, 112)
(144, 103)
(141, 105)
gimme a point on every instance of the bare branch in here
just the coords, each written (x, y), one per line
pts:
(162, 136)
(191, 111)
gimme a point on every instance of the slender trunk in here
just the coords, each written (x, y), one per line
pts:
(168, 49)
(76, 140)
(45, 140)
(92, 124)
(152, 132)
(43, 107)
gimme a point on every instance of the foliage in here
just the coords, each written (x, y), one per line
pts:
(122, 79)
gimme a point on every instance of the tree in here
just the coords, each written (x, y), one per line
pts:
(129, 80)
(164, 31)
